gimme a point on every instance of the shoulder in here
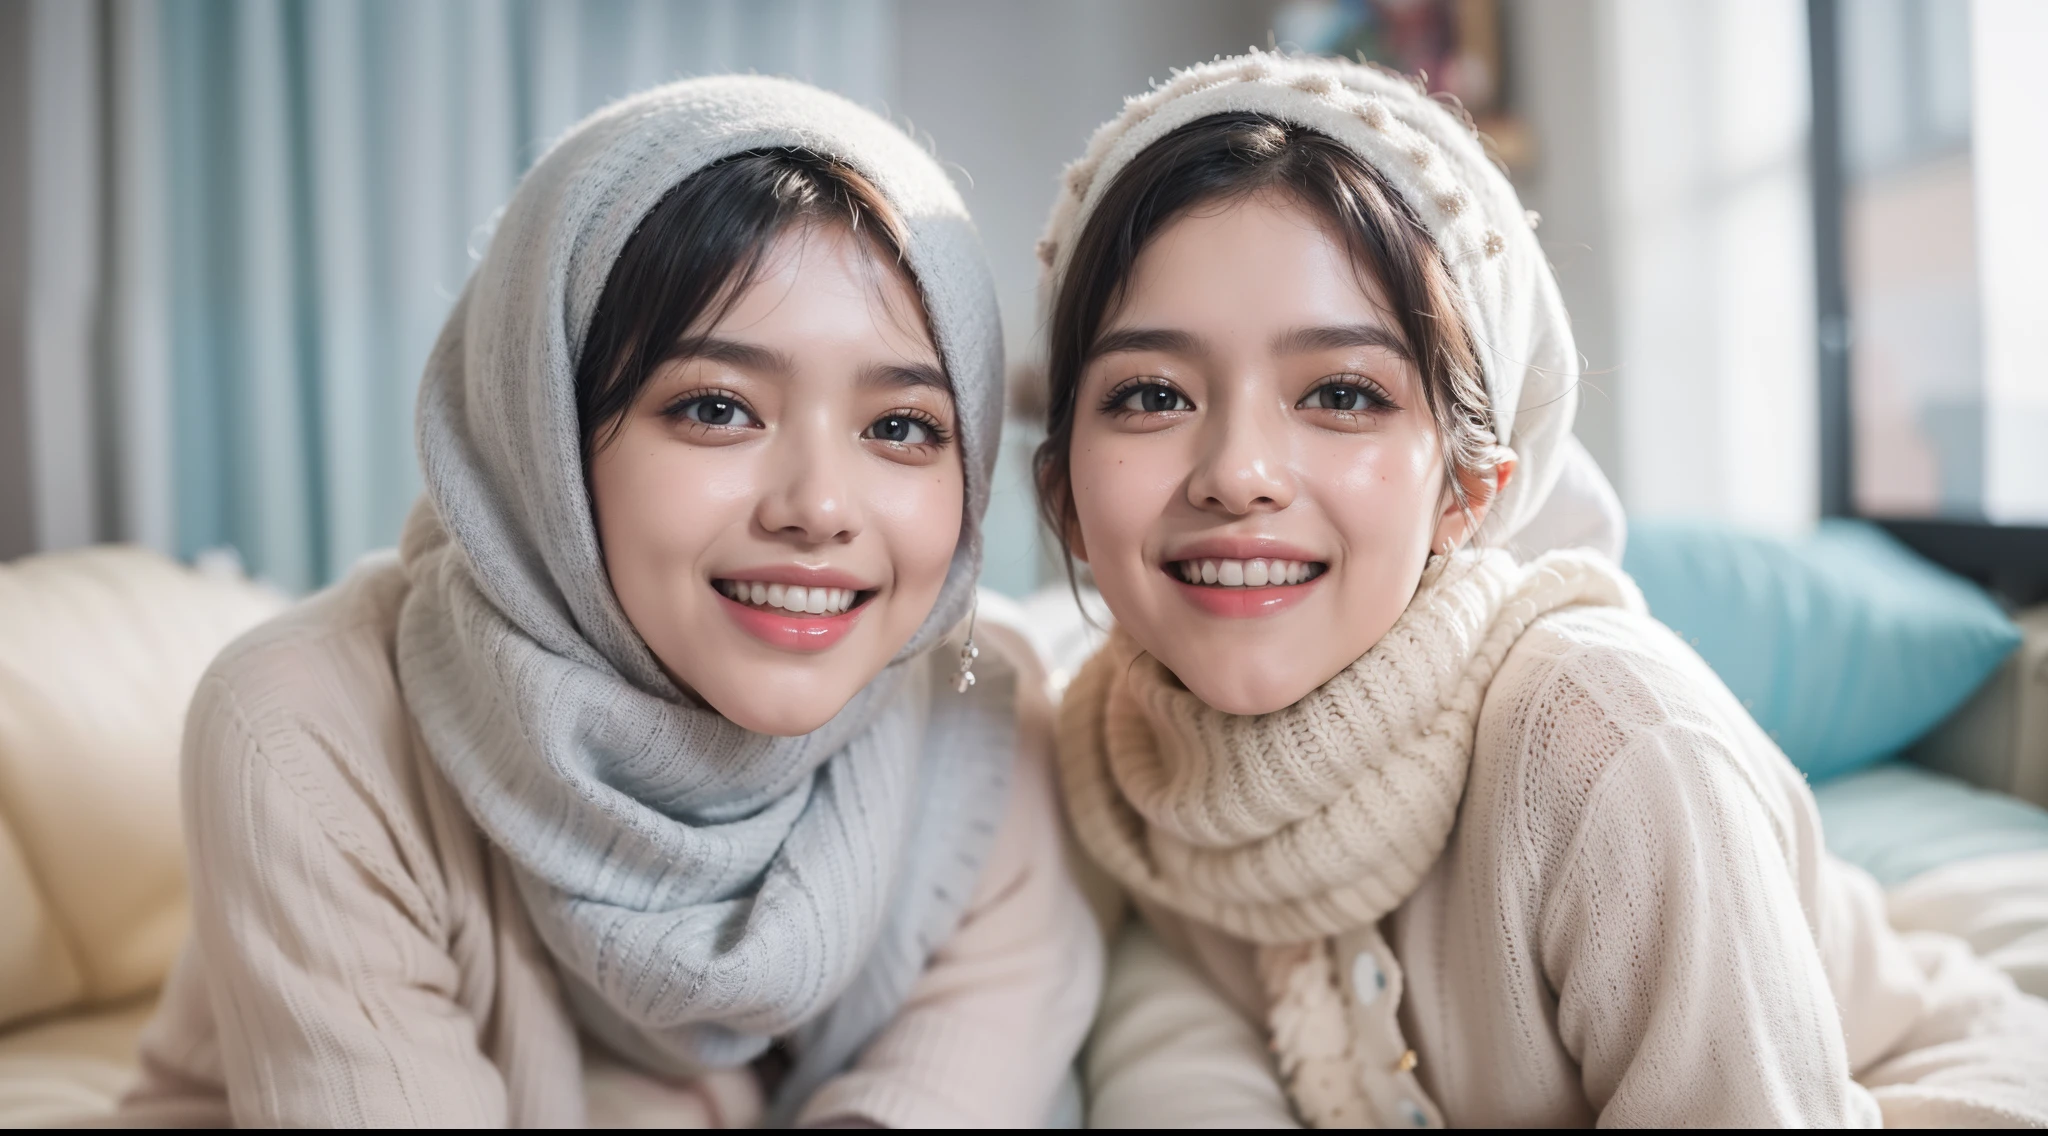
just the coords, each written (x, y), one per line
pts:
(1602, 704)
(342, 633)
(1602, 672)
(308, 704)
(325, 662)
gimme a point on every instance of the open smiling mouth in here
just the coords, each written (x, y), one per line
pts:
(1219, 573)
(792, 617)
(792, 599)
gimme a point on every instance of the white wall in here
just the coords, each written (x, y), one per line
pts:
(1555, 77)
(1673, 180)
(2011, 153)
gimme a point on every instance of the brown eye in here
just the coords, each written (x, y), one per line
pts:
(1345, 398)
(1153, 398)
(901, 430)
(1337, 396)
(714, 410)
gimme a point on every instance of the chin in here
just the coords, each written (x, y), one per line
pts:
(765, 716)
(781, 701)
(1242, 693)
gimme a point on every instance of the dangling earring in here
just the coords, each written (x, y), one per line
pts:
(968, 653)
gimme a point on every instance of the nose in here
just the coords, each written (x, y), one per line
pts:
(1242, 467)
(808, 496)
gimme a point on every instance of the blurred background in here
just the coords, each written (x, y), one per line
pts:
(1802, 241)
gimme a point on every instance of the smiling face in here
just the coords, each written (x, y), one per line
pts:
(779, 505)
(1256, 474)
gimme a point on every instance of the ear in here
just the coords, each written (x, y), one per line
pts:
(1456, 524)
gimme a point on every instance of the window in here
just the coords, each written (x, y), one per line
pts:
(1930, 140)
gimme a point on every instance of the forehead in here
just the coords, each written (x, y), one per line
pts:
(1249, 263)
(824, 286)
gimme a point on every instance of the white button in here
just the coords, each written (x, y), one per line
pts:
(1367, 979)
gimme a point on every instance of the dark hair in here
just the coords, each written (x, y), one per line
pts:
(1235, 155)
(696, 252)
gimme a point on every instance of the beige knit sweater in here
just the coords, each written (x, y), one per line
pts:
(360, 958)
(1634, 923)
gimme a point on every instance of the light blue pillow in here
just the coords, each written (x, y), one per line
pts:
(1846, 645)
(1897, 820)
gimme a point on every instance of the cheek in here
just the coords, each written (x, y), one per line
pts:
(660, 505)
(1380, 490)
(918, 514)
(1122, 485)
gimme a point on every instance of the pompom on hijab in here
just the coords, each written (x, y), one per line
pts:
(1433, 158)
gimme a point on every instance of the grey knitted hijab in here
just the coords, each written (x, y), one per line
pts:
(704, 890)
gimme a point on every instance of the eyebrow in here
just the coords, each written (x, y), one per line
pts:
(1167, 341)
(1301, 340)
(1336, 337)
(748, 356)
(905, 375)
(754, 357)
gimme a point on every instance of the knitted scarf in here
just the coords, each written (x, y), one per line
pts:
(1317, 820)
(704, 891)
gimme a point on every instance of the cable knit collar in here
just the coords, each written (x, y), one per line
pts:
(1318, 819)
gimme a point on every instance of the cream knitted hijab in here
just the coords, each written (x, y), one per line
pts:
(1434, 160)
(1315, 821)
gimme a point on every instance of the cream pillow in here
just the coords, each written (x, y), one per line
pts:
(100, 651)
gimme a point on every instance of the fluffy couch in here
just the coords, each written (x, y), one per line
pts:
(100, 651)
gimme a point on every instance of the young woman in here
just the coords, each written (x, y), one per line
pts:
(1464, 838)
(654, 743)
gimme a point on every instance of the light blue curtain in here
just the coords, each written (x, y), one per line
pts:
(299, 190)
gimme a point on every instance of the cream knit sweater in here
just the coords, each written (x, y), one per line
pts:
(1634, 922)
(360, 958)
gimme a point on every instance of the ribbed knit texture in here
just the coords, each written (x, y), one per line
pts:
(361, 957)
(704, 890)
(1316, 820)
(1635, 923)
(1320, 818)
(1620, 912)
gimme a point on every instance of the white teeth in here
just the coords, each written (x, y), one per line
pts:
(789, 597)
(1244, 573)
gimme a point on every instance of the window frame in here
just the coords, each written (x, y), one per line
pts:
(2009, 560)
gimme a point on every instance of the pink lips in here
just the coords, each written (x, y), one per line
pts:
(786, 630)
(790, 632)
(1245, 603)
(1242, 603)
